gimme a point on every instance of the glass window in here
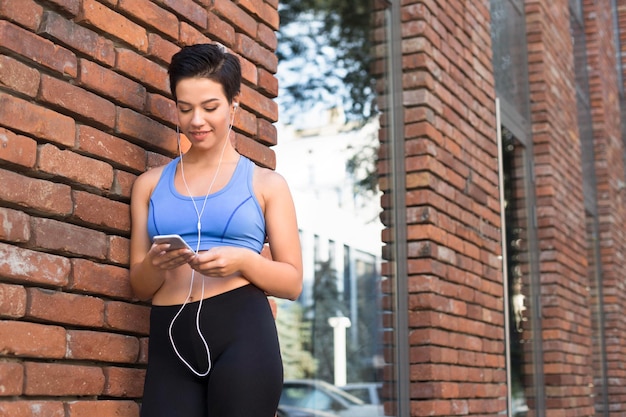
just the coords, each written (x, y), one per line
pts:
(332, 336)
(519, 247)
(521, 282)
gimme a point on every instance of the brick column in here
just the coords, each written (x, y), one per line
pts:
(455, 290)
(84, 109)
(565, 301)
(609, 154)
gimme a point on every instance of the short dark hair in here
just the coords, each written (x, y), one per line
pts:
(206, 61)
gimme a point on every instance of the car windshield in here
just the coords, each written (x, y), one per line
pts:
(317, 395)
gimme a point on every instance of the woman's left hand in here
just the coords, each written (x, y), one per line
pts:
(220, 261)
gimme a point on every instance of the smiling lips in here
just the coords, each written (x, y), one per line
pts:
(199, 135)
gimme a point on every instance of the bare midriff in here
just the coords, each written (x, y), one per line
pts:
(175, 288)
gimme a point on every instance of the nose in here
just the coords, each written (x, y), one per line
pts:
(196, 119)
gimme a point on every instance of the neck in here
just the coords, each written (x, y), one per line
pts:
(210, 158)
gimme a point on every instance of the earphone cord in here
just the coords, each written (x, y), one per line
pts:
(199, 213)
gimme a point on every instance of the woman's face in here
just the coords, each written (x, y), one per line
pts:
(204, 112)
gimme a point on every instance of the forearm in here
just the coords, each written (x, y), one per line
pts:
(145, 280)
(278, 279)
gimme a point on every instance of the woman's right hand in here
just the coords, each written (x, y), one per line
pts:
(162, 257)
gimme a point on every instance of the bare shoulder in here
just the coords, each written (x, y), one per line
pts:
(270, 186)
(145, 182)
(269, 182)
(268, 178)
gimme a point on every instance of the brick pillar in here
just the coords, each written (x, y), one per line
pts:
(456, 320)
(565, 302)
(609, 154)
(84, 109)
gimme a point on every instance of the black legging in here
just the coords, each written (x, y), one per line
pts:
(246, 374)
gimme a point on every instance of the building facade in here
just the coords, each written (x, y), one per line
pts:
(501, 166)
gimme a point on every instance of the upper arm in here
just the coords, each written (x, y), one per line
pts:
(139, 202)
(280, 219)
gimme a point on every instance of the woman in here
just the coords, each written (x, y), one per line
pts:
(213, 343)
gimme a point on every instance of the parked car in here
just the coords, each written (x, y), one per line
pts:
(320, 395)
(369, 392)
(288, 411)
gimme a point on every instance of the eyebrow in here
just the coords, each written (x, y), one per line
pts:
(203, 103)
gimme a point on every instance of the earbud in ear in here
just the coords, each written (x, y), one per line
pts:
(235, 104)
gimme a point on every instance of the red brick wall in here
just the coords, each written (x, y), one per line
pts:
(456, 319)
(565, 318)
(84, 109)
(609, 153)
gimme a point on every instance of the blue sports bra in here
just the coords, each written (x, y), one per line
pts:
(232, 216)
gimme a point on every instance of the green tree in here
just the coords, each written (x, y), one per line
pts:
(324, 47)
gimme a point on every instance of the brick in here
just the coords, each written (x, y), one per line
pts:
(17, 149)
(245, 122)
(156, 159)
(14, 225)
(119, 250)
(110, 148)
(68, 238)
(161, 49)
(18, 76)
(37, 49)
(18, 338)
(71, 7)
(101, 212)
(189, 35)
(103, 408)
(127, 317)
(249, 71)
(112, 85)
(256, 53)
(266, 132)
(221, 30)
(117, 26)
(11, 382)
(78, 38)
(28, 14)
(65, 308)
(124, 382)
(31, 409)
(12, 301)
(162, 108)
(188, 10)
(24, 265)
(252, 7)
(260, 104)
(77, 168)
(268, 83)
(34, 193)
(109, 280)
(231, 12)
(146, 131)
(45, 124)
(151, 15)
(123, 183)
(267, 37)
(53, 379)
(142, 70)
(82, 103)
(269, 14)
(143, 350)
(255, 151)
(101, 346)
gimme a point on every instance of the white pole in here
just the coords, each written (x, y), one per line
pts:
(339, 325)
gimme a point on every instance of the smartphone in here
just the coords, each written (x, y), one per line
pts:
(175, 241)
